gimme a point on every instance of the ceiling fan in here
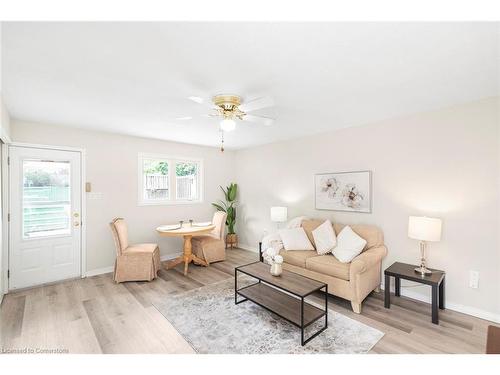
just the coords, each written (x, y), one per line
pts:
(230, 108)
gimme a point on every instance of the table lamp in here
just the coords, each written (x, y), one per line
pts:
(424, 229)
(278, 214)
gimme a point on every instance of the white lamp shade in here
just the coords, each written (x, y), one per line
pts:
(278, 214)
(424, 228)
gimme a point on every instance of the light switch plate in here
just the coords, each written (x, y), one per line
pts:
(94, 196)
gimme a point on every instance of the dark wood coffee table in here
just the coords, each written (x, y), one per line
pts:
(407, 271)
(283, 295)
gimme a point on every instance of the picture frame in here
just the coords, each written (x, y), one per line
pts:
(343, 191)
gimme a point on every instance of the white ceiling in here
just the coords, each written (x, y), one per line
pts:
(134, 78)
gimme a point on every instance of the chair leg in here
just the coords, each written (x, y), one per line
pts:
(356, 307)
(114, 274)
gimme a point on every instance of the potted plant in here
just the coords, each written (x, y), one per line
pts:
(229, 207)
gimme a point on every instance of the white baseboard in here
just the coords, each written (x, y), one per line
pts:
(1, 298)
(100, 271)
(248, 247)
(170, 256)
(468, 310)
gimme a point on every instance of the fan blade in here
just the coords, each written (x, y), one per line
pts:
(197, 99)
(255, 104)
(206, 102)
(260, 119)
(211, 115)
(188, 118)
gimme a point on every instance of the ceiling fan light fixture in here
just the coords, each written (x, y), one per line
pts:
(227, 125)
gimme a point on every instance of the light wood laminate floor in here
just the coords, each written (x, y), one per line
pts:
(95, 315)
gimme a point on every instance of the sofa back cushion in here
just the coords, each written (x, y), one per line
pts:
(372, 234)
(309, 226)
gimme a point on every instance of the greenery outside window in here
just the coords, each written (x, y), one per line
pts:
(169, 180)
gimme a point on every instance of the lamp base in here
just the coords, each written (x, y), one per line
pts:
(423, 270)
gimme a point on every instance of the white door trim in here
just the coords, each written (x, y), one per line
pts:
(6, 182)
(5, 212)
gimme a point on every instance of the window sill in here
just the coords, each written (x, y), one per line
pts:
(168, 203)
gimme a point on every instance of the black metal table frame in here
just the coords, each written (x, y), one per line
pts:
(302, 298)
(437, 299)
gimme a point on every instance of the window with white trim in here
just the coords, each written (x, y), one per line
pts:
(169, 180)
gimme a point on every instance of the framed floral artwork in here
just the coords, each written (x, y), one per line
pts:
(344, 191)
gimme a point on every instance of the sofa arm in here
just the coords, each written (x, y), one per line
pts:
(367, 259)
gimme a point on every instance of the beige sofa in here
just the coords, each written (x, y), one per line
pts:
(352, 281)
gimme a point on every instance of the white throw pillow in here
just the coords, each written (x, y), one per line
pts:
(324, 238)
(295, 239)
(296, 222)
(349, 245)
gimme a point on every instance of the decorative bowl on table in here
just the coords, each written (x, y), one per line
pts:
(202, 224)
(169, 227)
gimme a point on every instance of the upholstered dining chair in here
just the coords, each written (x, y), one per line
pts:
(212, 247)
(139, 262)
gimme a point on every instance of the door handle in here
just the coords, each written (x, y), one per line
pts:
(76, 224)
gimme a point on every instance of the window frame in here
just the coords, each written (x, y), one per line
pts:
(172, 179)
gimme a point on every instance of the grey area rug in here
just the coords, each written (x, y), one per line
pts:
(210, 321)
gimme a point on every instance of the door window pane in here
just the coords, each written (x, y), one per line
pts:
(46, 198)
(186, 177)
(155, 180)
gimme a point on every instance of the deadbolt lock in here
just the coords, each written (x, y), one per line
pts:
(76, 214)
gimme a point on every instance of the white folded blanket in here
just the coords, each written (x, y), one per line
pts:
(296, 222)
(274, 239)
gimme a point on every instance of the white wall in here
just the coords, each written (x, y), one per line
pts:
(4, 121)
(112, 170)
(443, 163)
(4, 137)
(4, 115)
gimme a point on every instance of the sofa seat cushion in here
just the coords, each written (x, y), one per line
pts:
(141, 248)
(328, 265)
(298, 257)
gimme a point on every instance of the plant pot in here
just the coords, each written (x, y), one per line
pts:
(231, 240)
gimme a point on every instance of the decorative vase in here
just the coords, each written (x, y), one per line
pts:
(276, 269)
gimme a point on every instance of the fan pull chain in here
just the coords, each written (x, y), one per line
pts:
(222, 141)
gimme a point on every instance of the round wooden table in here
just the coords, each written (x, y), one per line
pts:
(187, 231)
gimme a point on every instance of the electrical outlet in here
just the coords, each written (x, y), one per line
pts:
(473, 279)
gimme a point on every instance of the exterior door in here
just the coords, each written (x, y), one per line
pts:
(45, 222)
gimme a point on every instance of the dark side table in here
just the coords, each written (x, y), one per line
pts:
(407, 272)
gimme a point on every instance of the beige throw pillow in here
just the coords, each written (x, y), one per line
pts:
(324, 238)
